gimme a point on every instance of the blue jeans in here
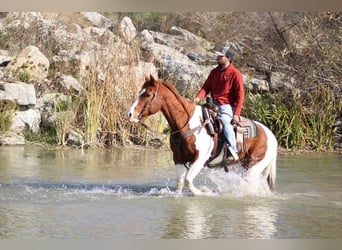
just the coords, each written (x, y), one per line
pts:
(226, 115)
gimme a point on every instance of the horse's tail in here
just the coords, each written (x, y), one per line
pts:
(271, 178)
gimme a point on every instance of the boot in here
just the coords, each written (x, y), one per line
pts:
(234, 155)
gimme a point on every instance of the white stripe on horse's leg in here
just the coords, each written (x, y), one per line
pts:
(181, 172)
(204, 144)
(194, 169)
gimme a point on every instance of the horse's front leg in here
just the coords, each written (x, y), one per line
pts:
(181, 173)
(194, 170)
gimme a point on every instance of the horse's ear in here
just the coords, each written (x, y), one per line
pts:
(147, 78)
(150, 78)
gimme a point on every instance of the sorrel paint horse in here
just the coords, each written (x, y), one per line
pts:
(186, 118)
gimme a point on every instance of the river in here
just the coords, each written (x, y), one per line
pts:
(130, 193)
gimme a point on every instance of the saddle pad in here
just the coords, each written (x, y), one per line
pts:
(245, 129)
(249, 127)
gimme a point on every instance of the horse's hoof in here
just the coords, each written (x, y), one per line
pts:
(206, 191)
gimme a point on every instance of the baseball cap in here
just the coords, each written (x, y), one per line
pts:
(226, 51)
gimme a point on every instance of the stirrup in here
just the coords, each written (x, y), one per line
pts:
(233, 153)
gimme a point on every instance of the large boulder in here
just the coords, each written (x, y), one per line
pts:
(26, 120)
(98, 20)
(22, 94)
(126, 30)
(30, 63)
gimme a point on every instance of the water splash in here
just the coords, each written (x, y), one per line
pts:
(69, 191)
(236, 183)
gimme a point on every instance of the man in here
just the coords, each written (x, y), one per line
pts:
(225, 86)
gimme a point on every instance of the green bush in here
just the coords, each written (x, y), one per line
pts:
(6, 115)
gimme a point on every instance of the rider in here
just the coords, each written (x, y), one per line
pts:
(225, 85)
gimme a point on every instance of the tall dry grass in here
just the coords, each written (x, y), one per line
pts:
(109, 90)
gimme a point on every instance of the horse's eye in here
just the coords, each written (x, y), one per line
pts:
(146, 94)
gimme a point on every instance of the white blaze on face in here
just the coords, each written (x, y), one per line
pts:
(130, 112)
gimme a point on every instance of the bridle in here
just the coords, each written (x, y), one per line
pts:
(148, 104)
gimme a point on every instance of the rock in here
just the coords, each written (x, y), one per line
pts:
(98, 20)
(26, 120)
(82, 61)
(102, 36)
(30, 63)
(75, 138)
(126, 30)
(179, 69)
(21, 93)
(12, 139)
(67, 83)
(71, 37)
(5, 58)
(256, 85)
(47, 107)
(197, 44)
(282, 83)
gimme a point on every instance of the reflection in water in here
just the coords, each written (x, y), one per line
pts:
(196, 224)
(218, 218)
(188, 220)
(260, 222)
(131, 194)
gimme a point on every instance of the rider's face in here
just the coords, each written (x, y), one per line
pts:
(222, 60)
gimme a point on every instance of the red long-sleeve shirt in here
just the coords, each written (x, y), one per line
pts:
(225, 86)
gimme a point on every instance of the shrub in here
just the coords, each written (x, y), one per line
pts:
(6, 115)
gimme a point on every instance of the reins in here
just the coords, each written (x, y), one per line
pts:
(148, 127)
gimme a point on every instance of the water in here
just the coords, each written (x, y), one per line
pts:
(130, 193)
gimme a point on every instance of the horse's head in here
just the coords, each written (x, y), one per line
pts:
(146, 102)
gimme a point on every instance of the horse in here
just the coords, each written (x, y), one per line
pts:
(190, 142)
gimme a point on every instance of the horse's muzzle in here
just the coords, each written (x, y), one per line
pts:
(131, 118)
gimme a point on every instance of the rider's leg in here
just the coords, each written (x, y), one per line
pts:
(226, 115)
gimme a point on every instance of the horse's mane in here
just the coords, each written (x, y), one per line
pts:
(173, 89)
(186, 104)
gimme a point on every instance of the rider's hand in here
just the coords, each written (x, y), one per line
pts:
(196, 100)
(235, 120)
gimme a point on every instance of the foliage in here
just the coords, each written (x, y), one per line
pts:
(44, 137)
(6, 114)
(295, 124)
(24, 75)
(65, 117)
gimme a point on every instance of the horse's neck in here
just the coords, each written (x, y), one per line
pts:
(177, 110)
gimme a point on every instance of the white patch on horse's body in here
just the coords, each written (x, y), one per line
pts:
(267, 166)
(204, 144)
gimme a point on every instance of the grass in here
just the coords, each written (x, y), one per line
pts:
(6, 113)
(297, 123)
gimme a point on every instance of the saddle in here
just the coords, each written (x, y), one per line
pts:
(244, 129)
